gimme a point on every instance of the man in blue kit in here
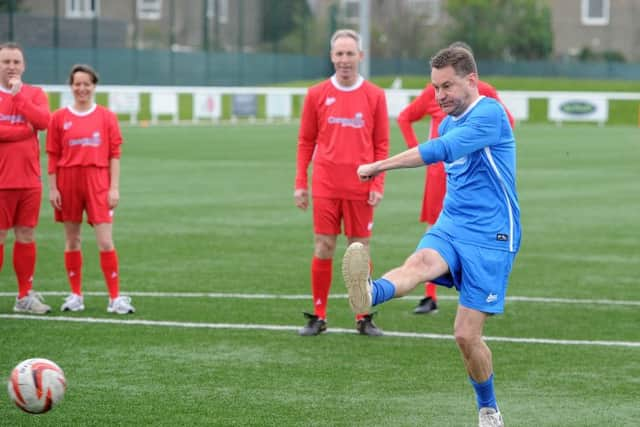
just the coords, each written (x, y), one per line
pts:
(474, 242)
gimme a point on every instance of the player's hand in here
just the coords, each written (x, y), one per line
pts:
(368, 171)
(113, 198)
(15, 84)
(301, 197)
(374, 198)
(55, 199)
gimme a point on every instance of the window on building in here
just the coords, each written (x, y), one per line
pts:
(219, 8)
(149, 9)
(429, 9)
(595, 12)
(351, 11)
(82, 8)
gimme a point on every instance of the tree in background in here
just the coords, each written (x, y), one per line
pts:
(6, 5)
(502, 29)
(283, 19)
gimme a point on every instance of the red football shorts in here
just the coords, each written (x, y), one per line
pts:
(328, 214)
(20, 207)
(84, 188)
(435, 188)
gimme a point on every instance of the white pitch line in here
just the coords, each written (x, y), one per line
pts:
(244, 326)
(222, 295)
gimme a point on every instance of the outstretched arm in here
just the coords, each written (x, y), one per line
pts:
(410, 158)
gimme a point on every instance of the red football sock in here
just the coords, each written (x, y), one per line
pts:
(430, 291)
(73, 265)
(321, 274)
(109, 266)
(24, 264)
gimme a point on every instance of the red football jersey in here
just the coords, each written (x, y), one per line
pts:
(21, 116)
(90, 138)
(342, 128)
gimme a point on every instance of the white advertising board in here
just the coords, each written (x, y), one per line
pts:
(397, 100)
(518, 105)
(564, 108)
(207, 106)
(278, 105)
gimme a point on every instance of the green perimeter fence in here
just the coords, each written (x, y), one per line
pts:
(165, 67)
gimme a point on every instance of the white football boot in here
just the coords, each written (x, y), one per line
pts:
(120, 305)
(73, 302)
(490, 417)
(32, 303)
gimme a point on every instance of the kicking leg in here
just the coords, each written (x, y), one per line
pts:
(423, 265)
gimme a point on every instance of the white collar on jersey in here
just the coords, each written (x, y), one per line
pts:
(5, 90)
(356, 85)
(83, 113)
(469, 108)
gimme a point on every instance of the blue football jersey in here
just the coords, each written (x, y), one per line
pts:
(479, 151)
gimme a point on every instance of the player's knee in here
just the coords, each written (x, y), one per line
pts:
(73, 242)
(465, 338)
(25, 234)
(324, 247)
(419, 265)
(105, 245)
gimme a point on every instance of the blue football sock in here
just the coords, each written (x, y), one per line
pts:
(381, 290)
(485, 393)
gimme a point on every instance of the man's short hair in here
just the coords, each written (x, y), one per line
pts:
(347, 33)
(461, 44)
(12, 45)
(460, 59)
(84, 68)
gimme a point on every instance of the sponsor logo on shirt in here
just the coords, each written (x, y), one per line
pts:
(11, 118)
(92, 141)
(356, 122)
(67, 125)
(492, 298)
(501, 237)
(330, 100)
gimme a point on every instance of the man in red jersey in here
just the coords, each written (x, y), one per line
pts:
(24, 110)
(344, 123)
(435, 185)
(84, 148)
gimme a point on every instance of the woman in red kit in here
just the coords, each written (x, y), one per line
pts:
(84, 146)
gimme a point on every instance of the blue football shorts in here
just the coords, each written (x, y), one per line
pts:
(479, 274)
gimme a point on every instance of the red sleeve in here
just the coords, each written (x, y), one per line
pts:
(306, 141)
(380, 139)
(115, 136)
(53, 145)
(415, 111)
(10, 133)
(487, 90)
(35, 109)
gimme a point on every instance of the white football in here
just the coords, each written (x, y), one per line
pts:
(36, 385)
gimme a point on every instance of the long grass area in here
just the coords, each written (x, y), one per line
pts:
(216, 257)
